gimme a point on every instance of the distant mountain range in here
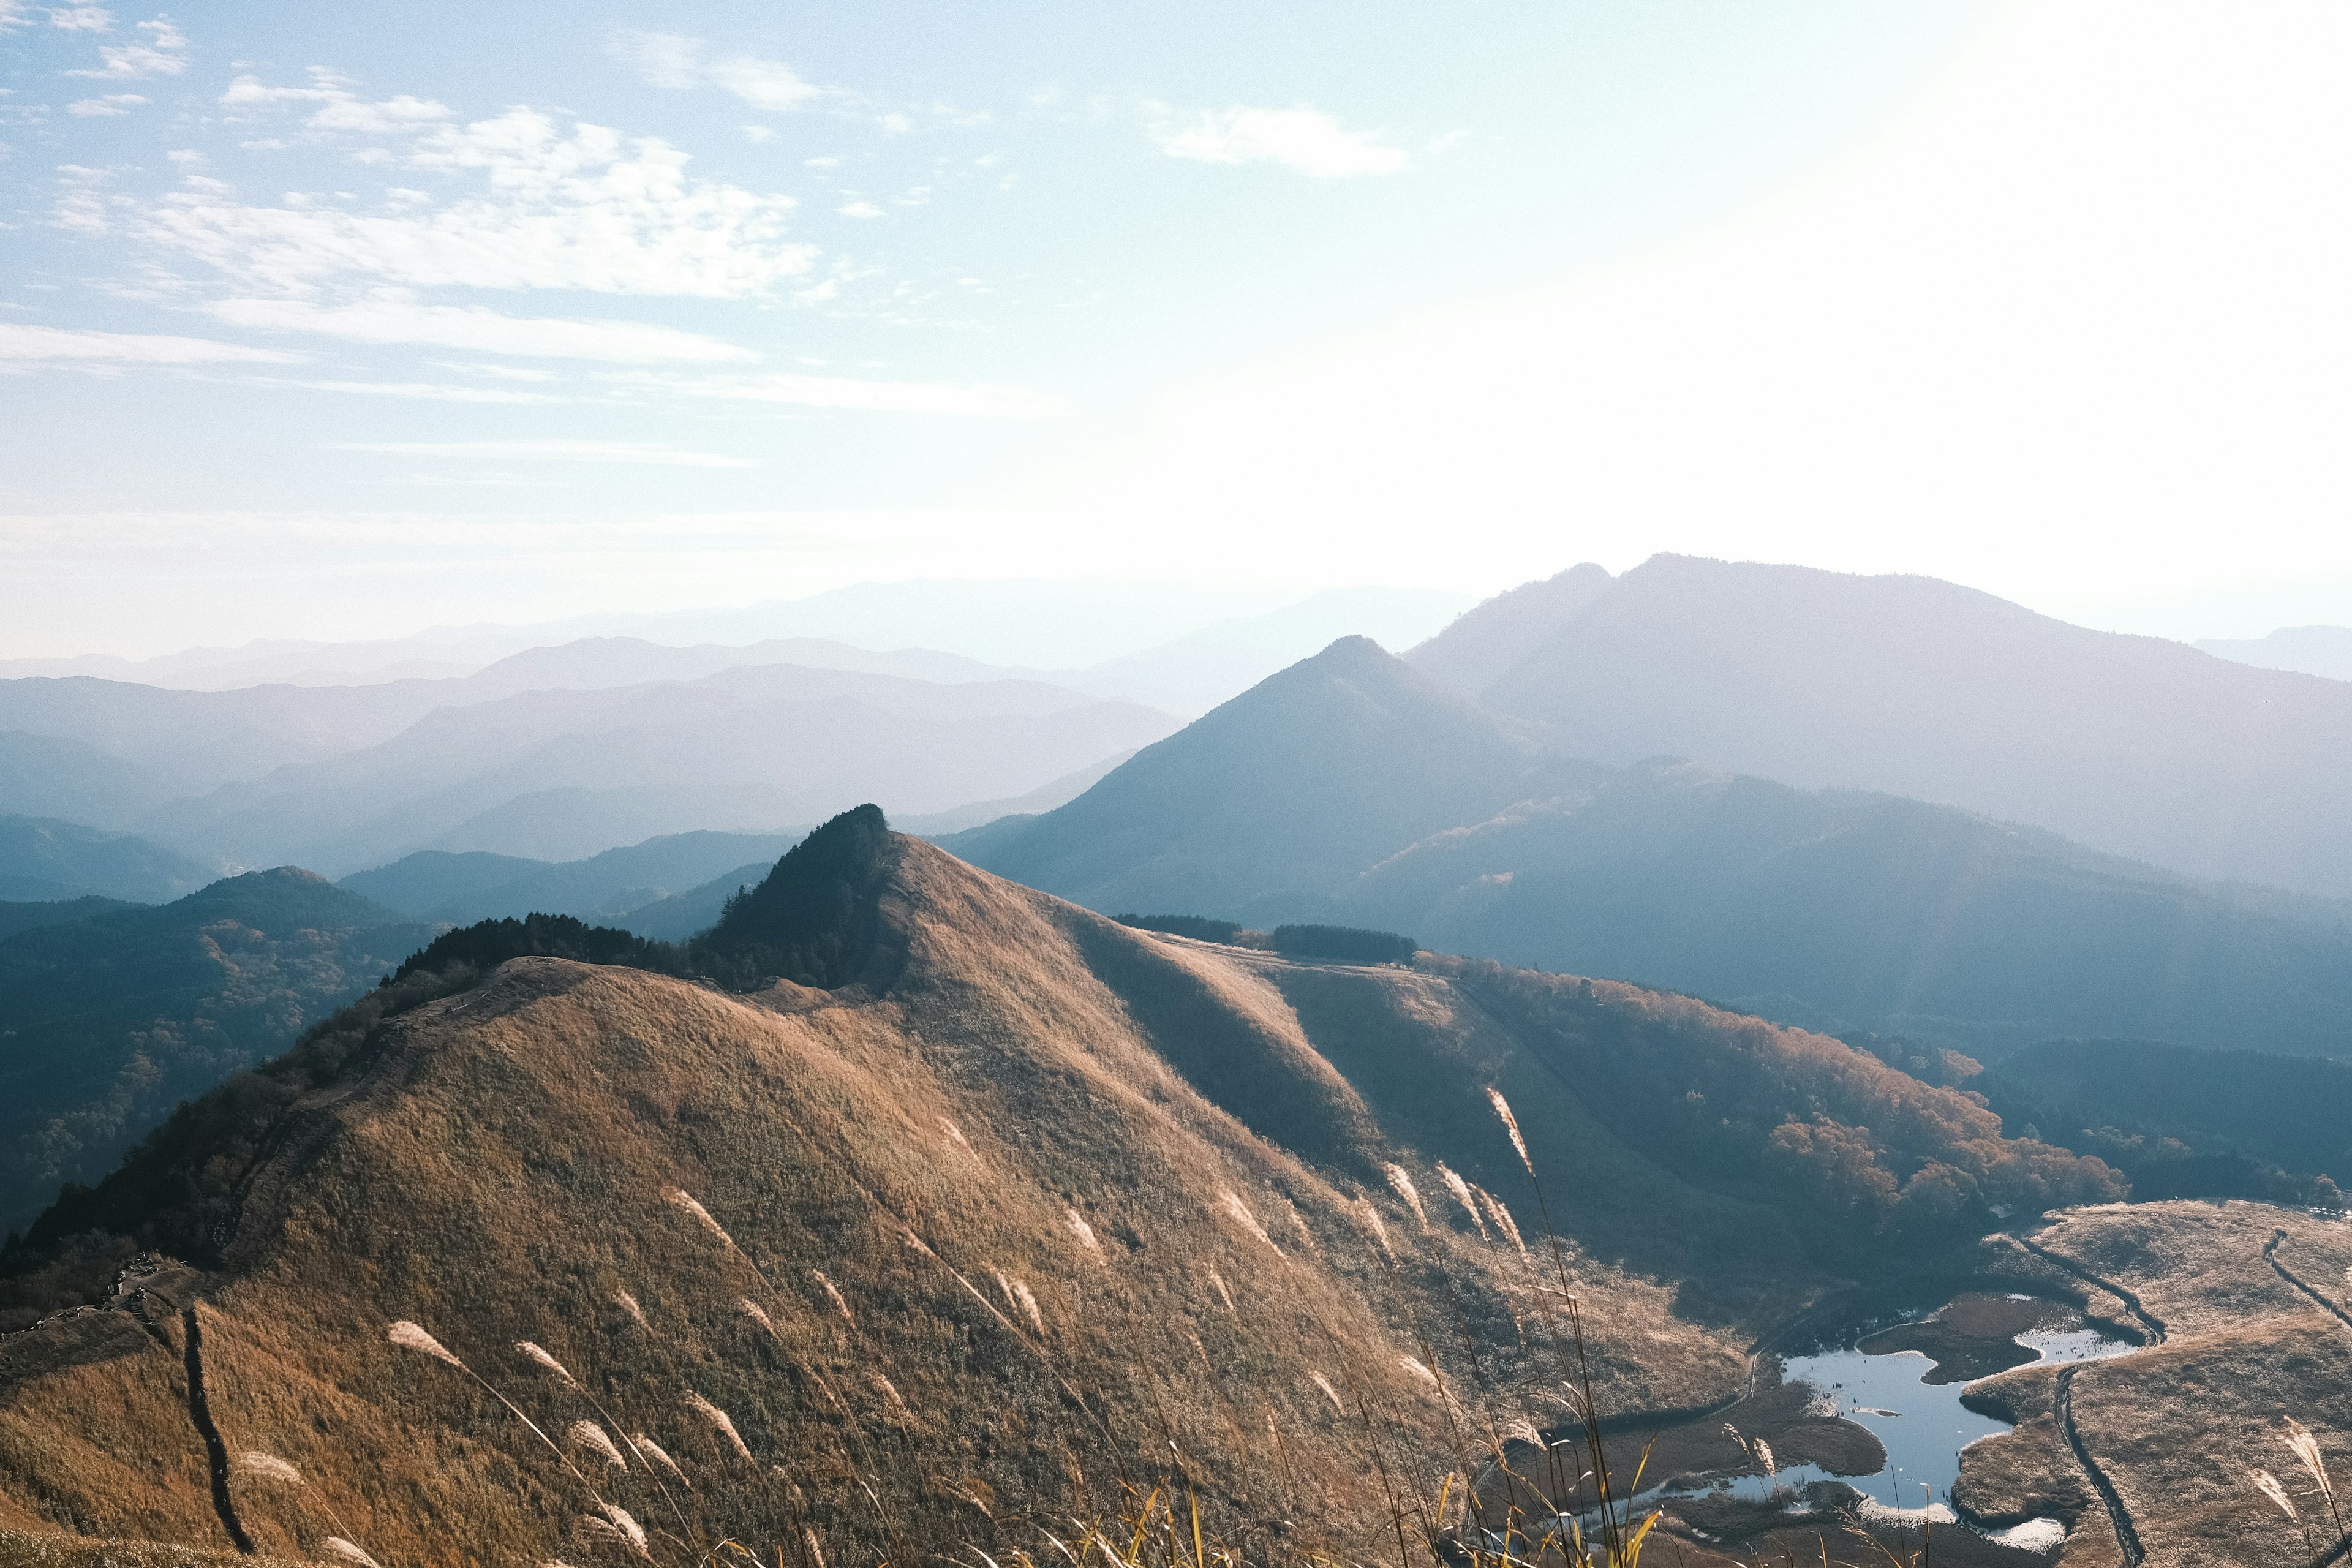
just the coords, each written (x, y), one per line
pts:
(460, 888)
(2315, 650)
(46, 858)
(1919, 688)
(107, 1021)
(1352, 788)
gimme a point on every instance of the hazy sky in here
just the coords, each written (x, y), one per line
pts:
(342, 320)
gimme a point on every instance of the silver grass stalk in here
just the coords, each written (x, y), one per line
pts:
(1418, 1370)
(631, 1531)
(835, 1295)
(2306, 1448)
(541, 1356)
(661, 1457)
(1502, 1218)
(816, 1553)
(268, 1467)
(414, 1337)
(1085, 1233)
(1511, 1125)
(1230, 1201)
(628, 1304)
(759, 1314)
(1461, 1190)
(590, 1435)
(1402, 1184)
(1226, 1296)
(335, 1545)
(679, 1197)
(2268, 1485)
(721, 1422)
(1764, 1457)
(955, 1134)
(1329, 1392)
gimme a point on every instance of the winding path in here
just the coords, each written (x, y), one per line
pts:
(200, 1411)
(2126, 1535)
(2270, 1255)
(2148, 1321)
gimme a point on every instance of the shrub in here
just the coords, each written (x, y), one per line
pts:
(1349, 944)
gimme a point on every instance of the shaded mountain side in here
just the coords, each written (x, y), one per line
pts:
(983, 1239)
(46, 859)
(16, 916)
(112, 1019)
(682, 915)
(1488, 641)
(2314, 650)
(1305, 779)
(2133, 745)
(1861, 911)
(59, 777)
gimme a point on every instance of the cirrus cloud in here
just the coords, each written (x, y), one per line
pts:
(394, 317)
(26, 342)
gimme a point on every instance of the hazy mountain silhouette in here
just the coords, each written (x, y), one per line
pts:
(1485, 643)
(1924, 688)
(114, 1018)
(1302, 781)
(1020, 1173)
(1347, 789)
(44, 858)
(2314, 650)
(58, 776)
(561, 774)
(461, 889)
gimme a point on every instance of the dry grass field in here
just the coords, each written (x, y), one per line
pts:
(1039, 1222)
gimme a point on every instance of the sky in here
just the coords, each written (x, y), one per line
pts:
(342, 321)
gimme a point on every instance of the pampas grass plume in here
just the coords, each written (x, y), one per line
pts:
(414, 1337)
(681, 1198)
(1085, 1233)
(588, 1435)
(1764, 1457)
(2306, 1448)
(1405, 1188)
(646, 1445)
(619, 1525)
(1418, 1370)
(1329, 1392)
(835, 1295)
(539, 1354)
(1230, 1201)
(1461, 1190)
(1511, 1125)
(816, 1553)
(2268, 1485)
(720, 1420)
(254, 1462)
(1219, 1282)
(628, 1304)
(336, 1546)
(759, 1314)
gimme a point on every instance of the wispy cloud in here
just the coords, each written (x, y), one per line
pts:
(81, 19)
(25, 343)
(1307, 140)
(399, 318)
(429, 390)
(552, 452)
(111, 104)
(583, 208)
(679, 63)
(339, 108)
(850, 393)
(859, 209)
(162, 52)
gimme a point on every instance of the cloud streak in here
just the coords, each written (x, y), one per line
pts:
(552, 452)
(398, 318)
(21, 343)
(162, 52)
(680, 63)
(1305, 141)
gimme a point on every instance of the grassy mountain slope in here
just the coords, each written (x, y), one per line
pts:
(46, 858)
(1303, 780)
(1919, 687)
(112, 1019)
(1031, 1204)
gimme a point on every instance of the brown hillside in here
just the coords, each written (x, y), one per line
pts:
(1038, 1205)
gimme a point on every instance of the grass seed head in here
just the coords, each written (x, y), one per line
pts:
(1402, 1184)
(619, 1526)
(1329, 1392)
(1418, 1370)
(816, 1553)
(1764, 1457)
(1230, 1202)
(681, 1198)
(590, 1435)
(2268, 1485)
(414, 1337)
(336, 1546)
(759, 1314)
(835, 1297)
(720, 1422)
(1227, 1296)
(628, 1303)
(540, 1355)
(1373, 1223)
(268, 1467)
(1461, 1190)
(1502, 1218)
(955, 1134)
(2306, 1448)
(1511, 1125)
(646, 1445)
(1085, 1233)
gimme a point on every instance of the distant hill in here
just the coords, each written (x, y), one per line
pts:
(2315, 650)
(1010, 1196)
(1489, 641)
(1349, 789)
(110, 1020)
(16, 917)
(559, 774)
(461, 889)
(1279, 795)
(42, 859)
(59, 776)
(1924, 688)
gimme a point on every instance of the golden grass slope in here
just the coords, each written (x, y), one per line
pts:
(1043, 1207)
(2181, 1429)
